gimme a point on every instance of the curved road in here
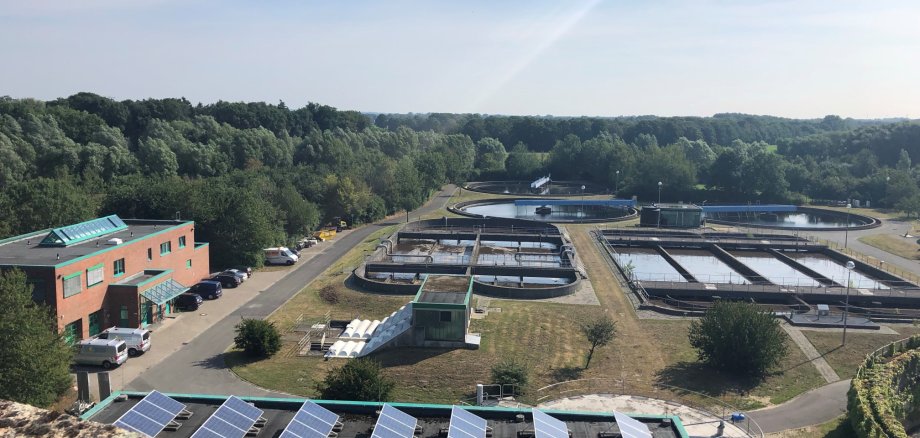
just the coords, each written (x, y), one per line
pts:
(198, 367)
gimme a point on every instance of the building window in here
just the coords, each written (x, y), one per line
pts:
(188, 263)
(119, 267)
(181, 241)
(446, 316)
(95, 323)
(165, 248)
(73, 332)
(72, 285)
(95, 275)
(149, 254)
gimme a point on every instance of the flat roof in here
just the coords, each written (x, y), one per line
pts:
(675, 206)
(358, 418)
(26, 250)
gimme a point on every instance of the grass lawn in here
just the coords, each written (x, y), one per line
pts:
(845, 360)
(873, 212)
(794, 376)
(836, 428)
(545, 336)
(897, 245)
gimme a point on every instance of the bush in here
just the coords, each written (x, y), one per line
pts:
(738, 338)
(511, 372)
(258, 338)
(359, 379)
(329, 294)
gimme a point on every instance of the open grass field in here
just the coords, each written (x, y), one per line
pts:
(545, 336)
(902, 246)
(836, 428)
(846, 359)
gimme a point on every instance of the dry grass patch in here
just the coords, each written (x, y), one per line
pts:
(846, 359)
(897, 245)
(794, 376)
(836, 428)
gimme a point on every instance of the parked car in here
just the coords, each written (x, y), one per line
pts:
(211, 290)
(241, 275)
(138, 339)
(189, 301)
(106, 353)
(226, 280)
(244, 269)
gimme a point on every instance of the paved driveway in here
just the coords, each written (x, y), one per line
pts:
(198, 367)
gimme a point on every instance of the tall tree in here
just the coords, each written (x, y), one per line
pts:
(34, 358)
(738, 338)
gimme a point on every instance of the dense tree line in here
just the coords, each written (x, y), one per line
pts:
(256, 174)
(251, 174)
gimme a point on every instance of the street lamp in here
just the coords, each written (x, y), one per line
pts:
(846, 304)
(616, 185)
(846, 230)
(659, 192)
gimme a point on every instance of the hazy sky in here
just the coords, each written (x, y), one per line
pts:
(788, 58)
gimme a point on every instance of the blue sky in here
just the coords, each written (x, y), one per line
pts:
(606, 58)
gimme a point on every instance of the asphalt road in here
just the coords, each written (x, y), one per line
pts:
(198, 367)
(817, 406)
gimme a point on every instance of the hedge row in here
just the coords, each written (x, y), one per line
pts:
(886, 391)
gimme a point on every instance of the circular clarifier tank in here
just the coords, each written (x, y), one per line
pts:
(803, 218)
(572, 210)
(551, 188)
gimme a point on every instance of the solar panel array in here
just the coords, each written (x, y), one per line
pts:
(464, 424)
(231, 420)
(150, 415)
(394, 423)
(311, 421)
(545, 426)
(630, 427)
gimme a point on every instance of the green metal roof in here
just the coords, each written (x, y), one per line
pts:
(164, 291)
(76, 233)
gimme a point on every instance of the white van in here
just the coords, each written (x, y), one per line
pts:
(101, 352)
(138, 340)
(280, 256)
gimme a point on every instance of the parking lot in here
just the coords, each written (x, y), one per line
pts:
(180, 328)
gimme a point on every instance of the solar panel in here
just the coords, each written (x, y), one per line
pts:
(630, 427)
(311, 421)
(150, 415)
(545, 426)
(464, 424)
(394, 423)
(231, 420)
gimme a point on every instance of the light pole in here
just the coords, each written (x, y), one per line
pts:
(659, 192)
(659, 205)
(846, 303)
(616, 185)
(846, 231)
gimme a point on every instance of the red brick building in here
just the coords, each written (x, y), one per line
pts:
(108, 271)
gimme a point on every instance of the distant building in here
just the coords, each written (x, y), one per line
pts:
(108, 271)
(671, 216)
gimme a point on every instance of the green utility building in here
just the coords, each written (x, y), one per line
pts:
(671, 216)
(441, 311)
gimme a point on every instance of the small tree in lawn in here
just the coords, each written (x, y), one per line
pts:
(359, 379)
(34, 358)
(738, 338)
(258, 338)
(513, 372)
(599, 333)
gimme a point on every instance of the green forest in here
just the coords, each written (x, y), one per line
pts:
(254, 175)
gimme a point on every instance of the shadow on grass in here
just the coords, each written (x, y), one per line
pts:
(407, 356)
(843, 430)
(227, 360)
(564, 374)
(697, 377)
